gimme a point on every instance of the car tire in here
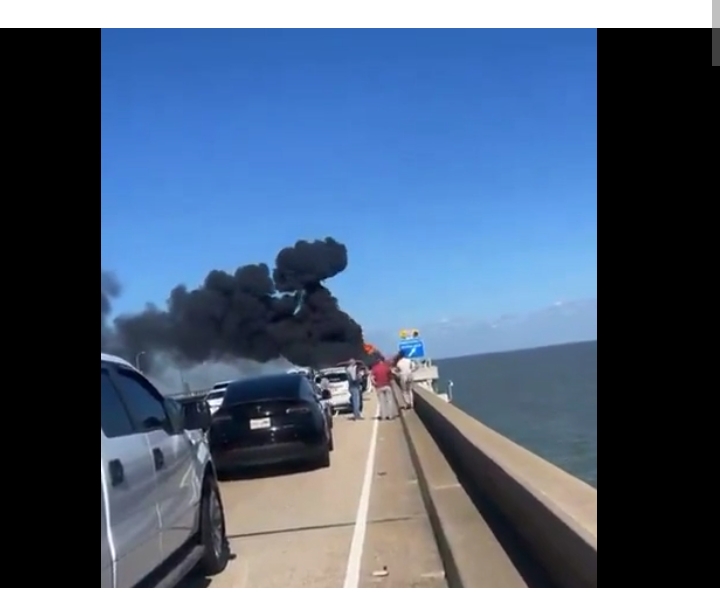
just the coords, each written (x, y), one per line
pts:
(213, 535)
(331, 442)
(324, 460)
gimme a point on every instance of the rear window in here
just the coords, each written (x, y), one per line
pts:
(263, 388)
(334, 377)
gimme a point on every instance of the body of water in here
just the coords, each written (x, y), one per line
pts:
(544, 399)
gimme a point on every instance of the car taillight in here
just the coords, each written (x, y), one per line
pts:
(298, 410)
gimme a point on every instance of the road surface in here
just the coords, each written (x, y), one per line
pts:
(359, 523)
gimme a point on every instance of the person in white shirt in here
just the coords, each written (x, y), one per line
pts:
(404, 369)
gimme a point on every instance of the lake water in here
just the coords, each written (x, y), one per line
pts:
(544, 399)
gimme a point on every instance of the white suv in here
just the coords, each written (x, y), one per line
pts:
(160, 509)
(339, 387)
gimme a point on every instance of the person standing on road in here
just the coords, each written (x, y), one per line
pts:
(381, 373)
(404, 369)
(362, 383)
(354, 387)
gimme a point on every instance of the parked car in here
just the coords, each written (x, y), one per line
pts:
(306, 371)
(310, 374)
(215, 399)
(221, 385)
(339, 387)
(268, 420)
(161, 514)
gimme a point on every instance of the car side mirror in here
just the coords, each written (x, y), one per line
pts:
(197, 416)
(176, 416)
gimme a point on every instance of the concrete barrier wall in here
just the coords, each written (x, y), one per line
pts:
(554, 513)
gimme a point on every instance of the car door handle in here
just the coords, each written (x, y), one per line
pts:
(158, 458)
(117, 472)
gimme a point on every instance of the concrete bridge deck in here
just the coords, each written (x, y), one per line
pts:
(334, 527)
(434, 499)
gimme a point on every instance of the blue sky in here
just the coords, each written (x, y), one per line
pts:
(458, 166)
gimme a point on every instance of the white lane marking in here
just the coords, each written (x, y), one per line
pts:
(448, 486)
(352, 573)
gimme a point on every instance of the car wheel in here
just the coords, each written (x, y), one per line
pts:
(213, 536)
(331, 442)
(324, 460)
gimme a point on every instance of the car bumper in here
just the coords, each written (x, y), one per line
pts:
(340, 400)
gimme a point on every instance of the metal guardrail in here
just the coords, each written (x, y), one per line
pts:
(193, 394)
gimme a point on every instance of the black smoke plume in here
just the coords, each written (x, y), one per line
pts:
(109, 289)
(249, 314)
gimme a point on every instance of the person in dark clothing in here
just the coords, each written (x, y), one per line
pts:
(362, 383)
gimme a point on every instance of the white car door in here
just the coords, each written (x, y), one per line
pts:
(182, 457)
(130, 522)
(173, 457)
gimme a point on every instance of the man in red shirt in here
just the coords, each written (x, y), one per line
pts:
(382, 377)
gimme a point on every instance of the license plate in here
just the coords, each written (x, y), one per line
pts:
(260, 423)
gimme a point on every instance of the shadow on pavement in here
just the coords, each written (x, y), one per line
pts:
(265, 472)
(195, 580)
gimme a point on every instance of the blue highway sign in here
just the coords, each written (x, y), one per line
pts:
(413, 348)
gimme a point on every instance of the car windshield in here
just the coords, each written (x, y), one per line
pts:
(263, 388)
